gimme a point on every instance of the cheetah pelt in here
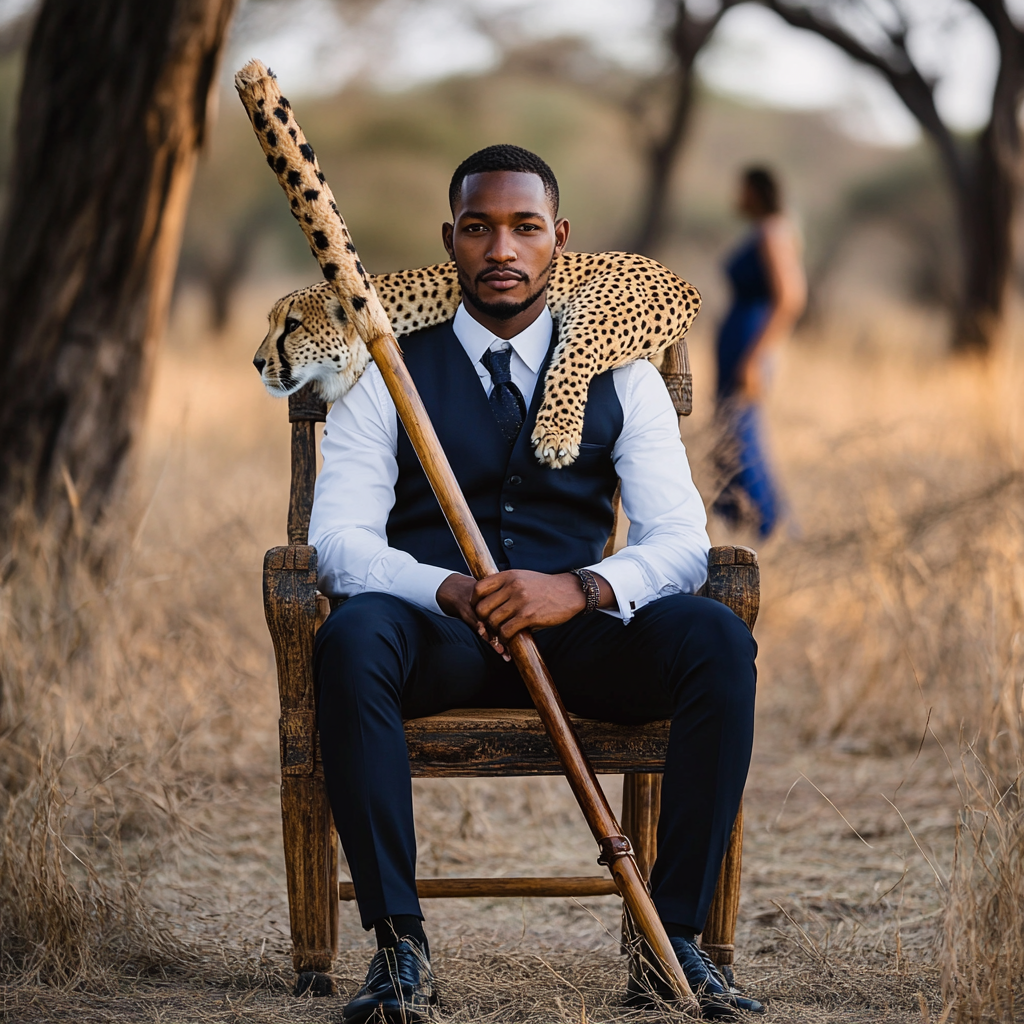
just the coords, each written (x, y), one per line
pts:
(612, 308)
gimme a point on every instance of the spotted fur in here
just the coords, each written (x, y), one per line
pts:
(612, 308)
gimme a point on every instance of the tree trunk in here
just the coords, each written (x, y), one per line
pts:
(224, 275)
(662, 157)
(686, 37)
(111, 115)
(988, 205)
(986, 226)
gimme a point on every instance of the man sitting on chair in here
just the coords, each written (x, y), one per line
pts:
(418, 636)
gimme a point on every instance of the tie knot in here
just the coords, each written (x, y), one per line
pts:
(496, 362)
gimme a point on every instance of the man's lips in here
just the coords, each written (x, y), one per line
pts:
(502, 280)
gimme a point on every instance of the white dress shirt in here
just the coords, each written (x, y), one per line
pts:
(667, 545)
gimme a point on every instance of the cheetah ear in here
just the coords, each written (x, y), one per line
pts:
(336, 312)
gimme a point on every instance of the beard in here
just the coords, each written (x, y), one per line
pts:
(501, 310)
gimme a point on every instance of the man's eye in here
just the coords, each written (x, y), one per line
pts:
(476, 227)
(529, 227)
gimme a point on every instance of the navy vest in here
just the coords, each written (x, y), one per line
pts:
(532, 517)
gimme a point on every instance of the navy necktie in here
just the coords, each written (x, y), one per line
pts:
(506, 399)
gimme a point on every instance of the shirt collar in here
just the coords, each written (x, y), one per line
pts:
(531, 344)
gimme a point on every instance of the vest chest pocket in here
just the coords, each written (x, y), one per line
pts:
(589, 450)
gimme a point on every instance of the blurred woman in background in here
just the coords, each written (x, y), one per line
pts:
(769, 294)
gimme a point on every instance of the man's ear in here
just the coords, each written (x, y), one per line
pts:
(447, 236)
(561, 235)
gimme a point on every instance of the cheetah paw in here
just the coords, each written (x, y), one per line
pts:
(555, 449)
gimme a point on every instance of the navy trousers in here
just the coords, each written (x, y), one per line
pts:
(380, 659)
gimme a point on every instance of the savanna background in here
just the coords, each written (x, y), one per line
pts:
(141, 872)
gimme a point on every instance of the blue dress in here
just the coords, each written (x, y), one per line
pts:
(742, 460)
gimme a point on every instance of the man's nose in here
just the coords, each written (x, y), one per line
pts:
(502, 248)
(259, 362)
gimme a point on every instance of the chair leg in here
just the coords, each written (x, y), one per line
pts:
(719, 937)
(308, 853)
(334, 903)
(641, 806)
(310, 848)
(734, 578)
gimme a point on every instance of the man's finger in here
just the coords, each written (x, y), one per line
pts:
(488, 637)
(487, 585)
(469, 617)
(514, 625)
(486, 606)
(501, 613)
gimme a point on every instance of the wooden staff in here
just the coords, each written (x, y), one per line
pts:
(313, 206)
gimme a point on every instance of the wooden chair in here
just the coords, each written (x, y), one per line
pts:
(464, 743)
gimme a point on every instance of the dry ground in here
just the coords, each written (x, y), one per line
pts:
(891, 615)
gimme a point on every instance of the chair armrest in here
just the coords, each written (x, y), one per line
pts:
(734, 578)
(291, 606)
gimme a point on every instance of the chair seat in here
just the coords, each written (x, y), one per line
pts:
(474, 742)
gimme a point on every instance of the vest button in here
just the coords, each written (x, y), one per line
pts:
(508, 507)
(508, 542)
(515, 480)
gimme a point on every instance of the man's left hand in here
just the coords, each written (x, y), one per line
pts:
(508, 602)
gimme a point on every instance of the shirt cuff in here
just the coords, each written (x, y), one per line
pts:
(627, 582)
(417, 583)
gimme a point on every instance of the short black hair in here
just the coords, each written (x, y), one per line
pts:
(765, 186)
(504, 157)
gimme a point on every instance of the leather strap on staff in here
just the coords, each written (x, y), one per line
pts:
(612, 848)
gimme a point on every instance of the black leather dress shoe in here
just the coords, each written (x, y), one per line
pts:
(399, 987)
(717, 1000)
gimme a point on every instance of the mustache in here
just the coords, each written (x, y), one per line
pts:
(501, 310)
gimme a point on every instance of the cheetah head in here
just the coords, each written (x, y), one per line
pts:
(310, 340)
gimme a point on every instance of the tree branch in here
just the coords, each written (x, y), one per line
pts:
(1002, 135)
(996, 14)
(907, 81)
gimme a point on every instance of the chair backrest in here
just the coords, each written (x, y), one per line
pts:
(306, 409)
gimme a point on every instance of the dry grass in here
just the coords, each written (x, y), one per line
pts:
(140, 867)
(897, 618)
(982, 943)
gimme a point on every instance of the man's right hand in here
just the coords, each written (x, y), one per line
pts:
(454, 598)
